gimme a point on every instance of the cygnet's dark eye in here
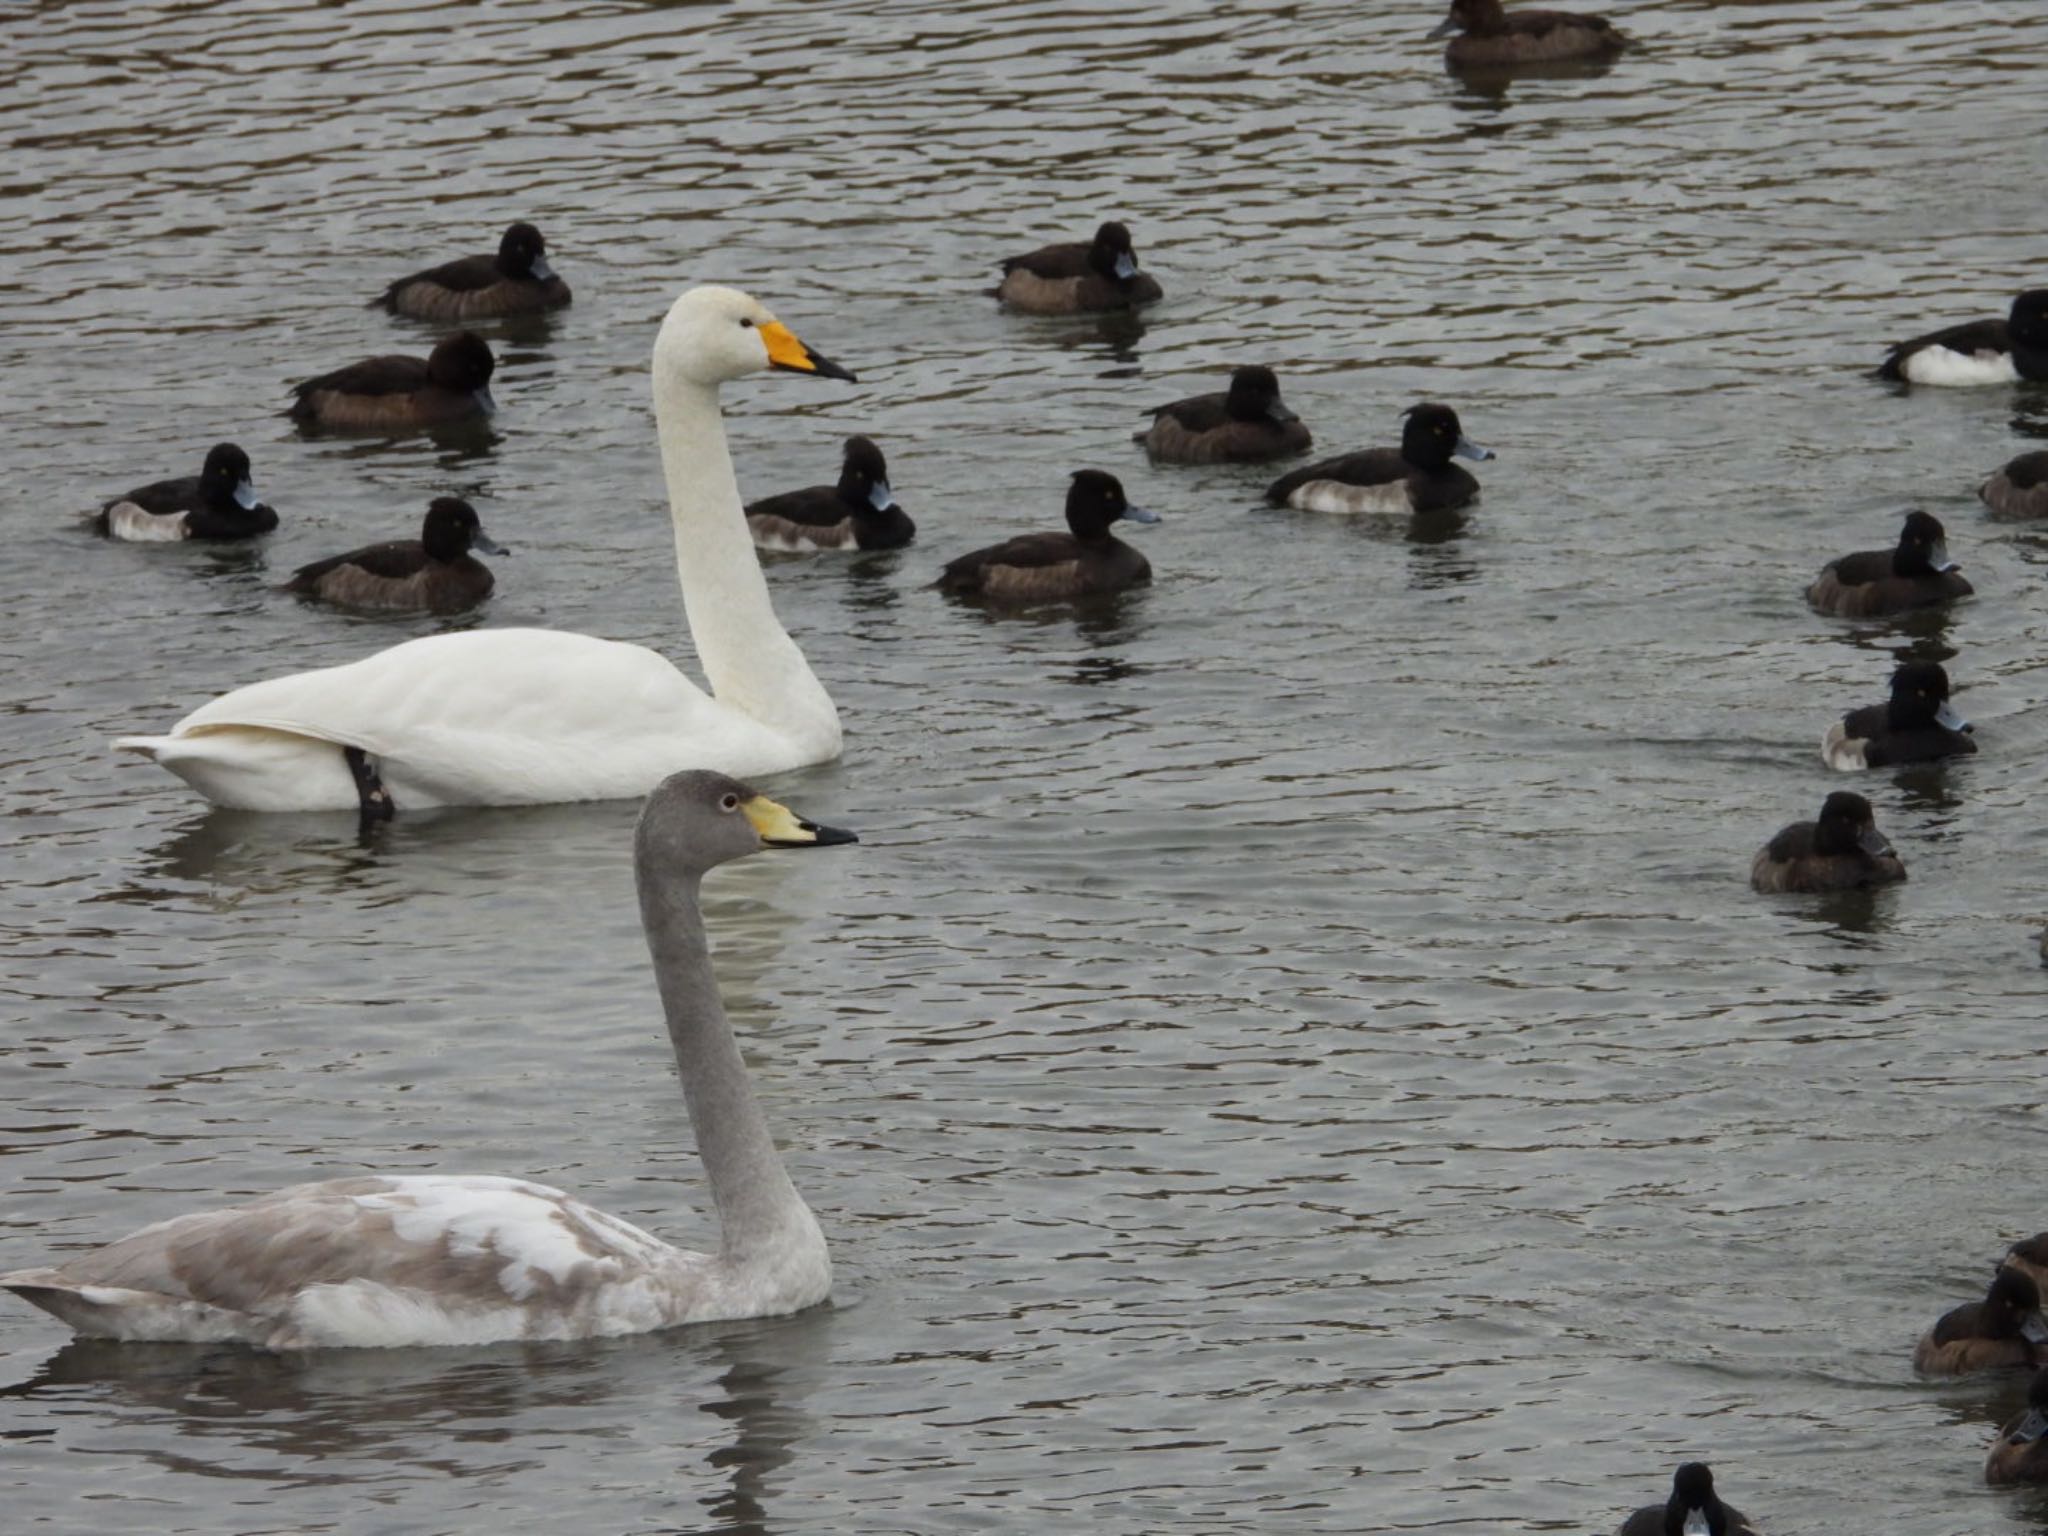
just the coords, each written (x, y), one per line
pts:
(728, 801)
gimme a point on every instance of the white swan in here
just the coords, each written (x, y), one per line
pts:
(450, 1260)
(530, 716)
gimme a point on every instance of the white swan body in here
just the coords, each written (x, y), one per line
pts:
(590, 720)
(379, 1261)
(521, 717)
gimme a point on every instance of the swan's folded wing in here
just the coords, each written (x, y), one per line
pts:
(487, 717)
(543, 684)
(374, 1261)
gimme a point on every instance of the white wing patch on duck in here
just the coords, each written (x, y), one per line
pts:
(1938, 365)
(1838, 749)
(1341, 496)
(779, 535)
(126, 520)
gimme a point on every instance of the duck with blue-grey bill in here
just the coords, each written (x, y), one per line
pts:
(217, 503)
(1085, 561)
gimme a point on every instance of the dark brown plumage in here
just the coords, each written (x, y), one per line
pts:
(1490, 37)
(2020, 489)
(2020, 1453)
(1918, 573)
(1842, 851)
(396, 393)
(1049, 567)
(1996, 1333)
(1246, 424)
(434, 573)
(1692, 1488)
(1078, 277)
(860, 512)
(516, 281)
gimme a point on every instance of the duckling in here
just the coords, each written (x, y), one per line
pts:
(860, 512)
(2004, 1329)
(1078, 277)
(1416, 477)
(2020, 489)
(1693, 1509)
(434, 573)
(392, 394)
(2020, 1453)
(516, 281)
(1916, 574)
(217, 503)
(1247, 424)
(1046, 567)
(1916, 725)
(1978, 351)
(1842, 851)
(1494, 38)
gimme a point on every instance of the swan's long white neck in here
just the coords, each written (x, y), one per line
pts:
(762, 1220)
(748, 658)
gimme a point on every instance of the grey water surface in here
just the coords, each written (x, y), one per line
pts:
(1295, 1048)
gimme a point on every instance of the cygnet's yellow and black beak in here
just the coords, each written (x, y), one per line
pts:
(780, 827)
(785, 351)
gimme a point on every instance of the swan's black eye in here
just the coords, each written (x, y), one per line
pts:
(748, 324)
(728, 802)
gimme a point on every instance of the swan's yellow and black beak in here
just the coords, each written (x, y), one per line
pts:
(785, 351)
(780, 827)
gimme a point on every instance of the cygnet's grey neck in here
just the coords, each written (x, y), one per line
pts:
(759, 1210)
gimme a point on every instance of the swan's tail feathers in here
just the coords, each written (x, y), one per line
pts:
(253, 767)
(116, 1312)
(85, 1308)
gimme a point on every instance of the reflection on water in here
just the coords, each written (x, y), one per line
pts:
(297, 1420)
(1492, 86)
(1853, 915)
(1111, 337)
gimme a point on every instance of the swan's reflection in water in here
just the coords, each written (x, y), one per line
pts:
(372, 1417)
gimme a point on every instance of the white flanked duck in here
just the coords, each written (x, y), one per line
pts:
(860, 512)
(532, 716)
(409, 1260)
(1416, 477)
(217, 503)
